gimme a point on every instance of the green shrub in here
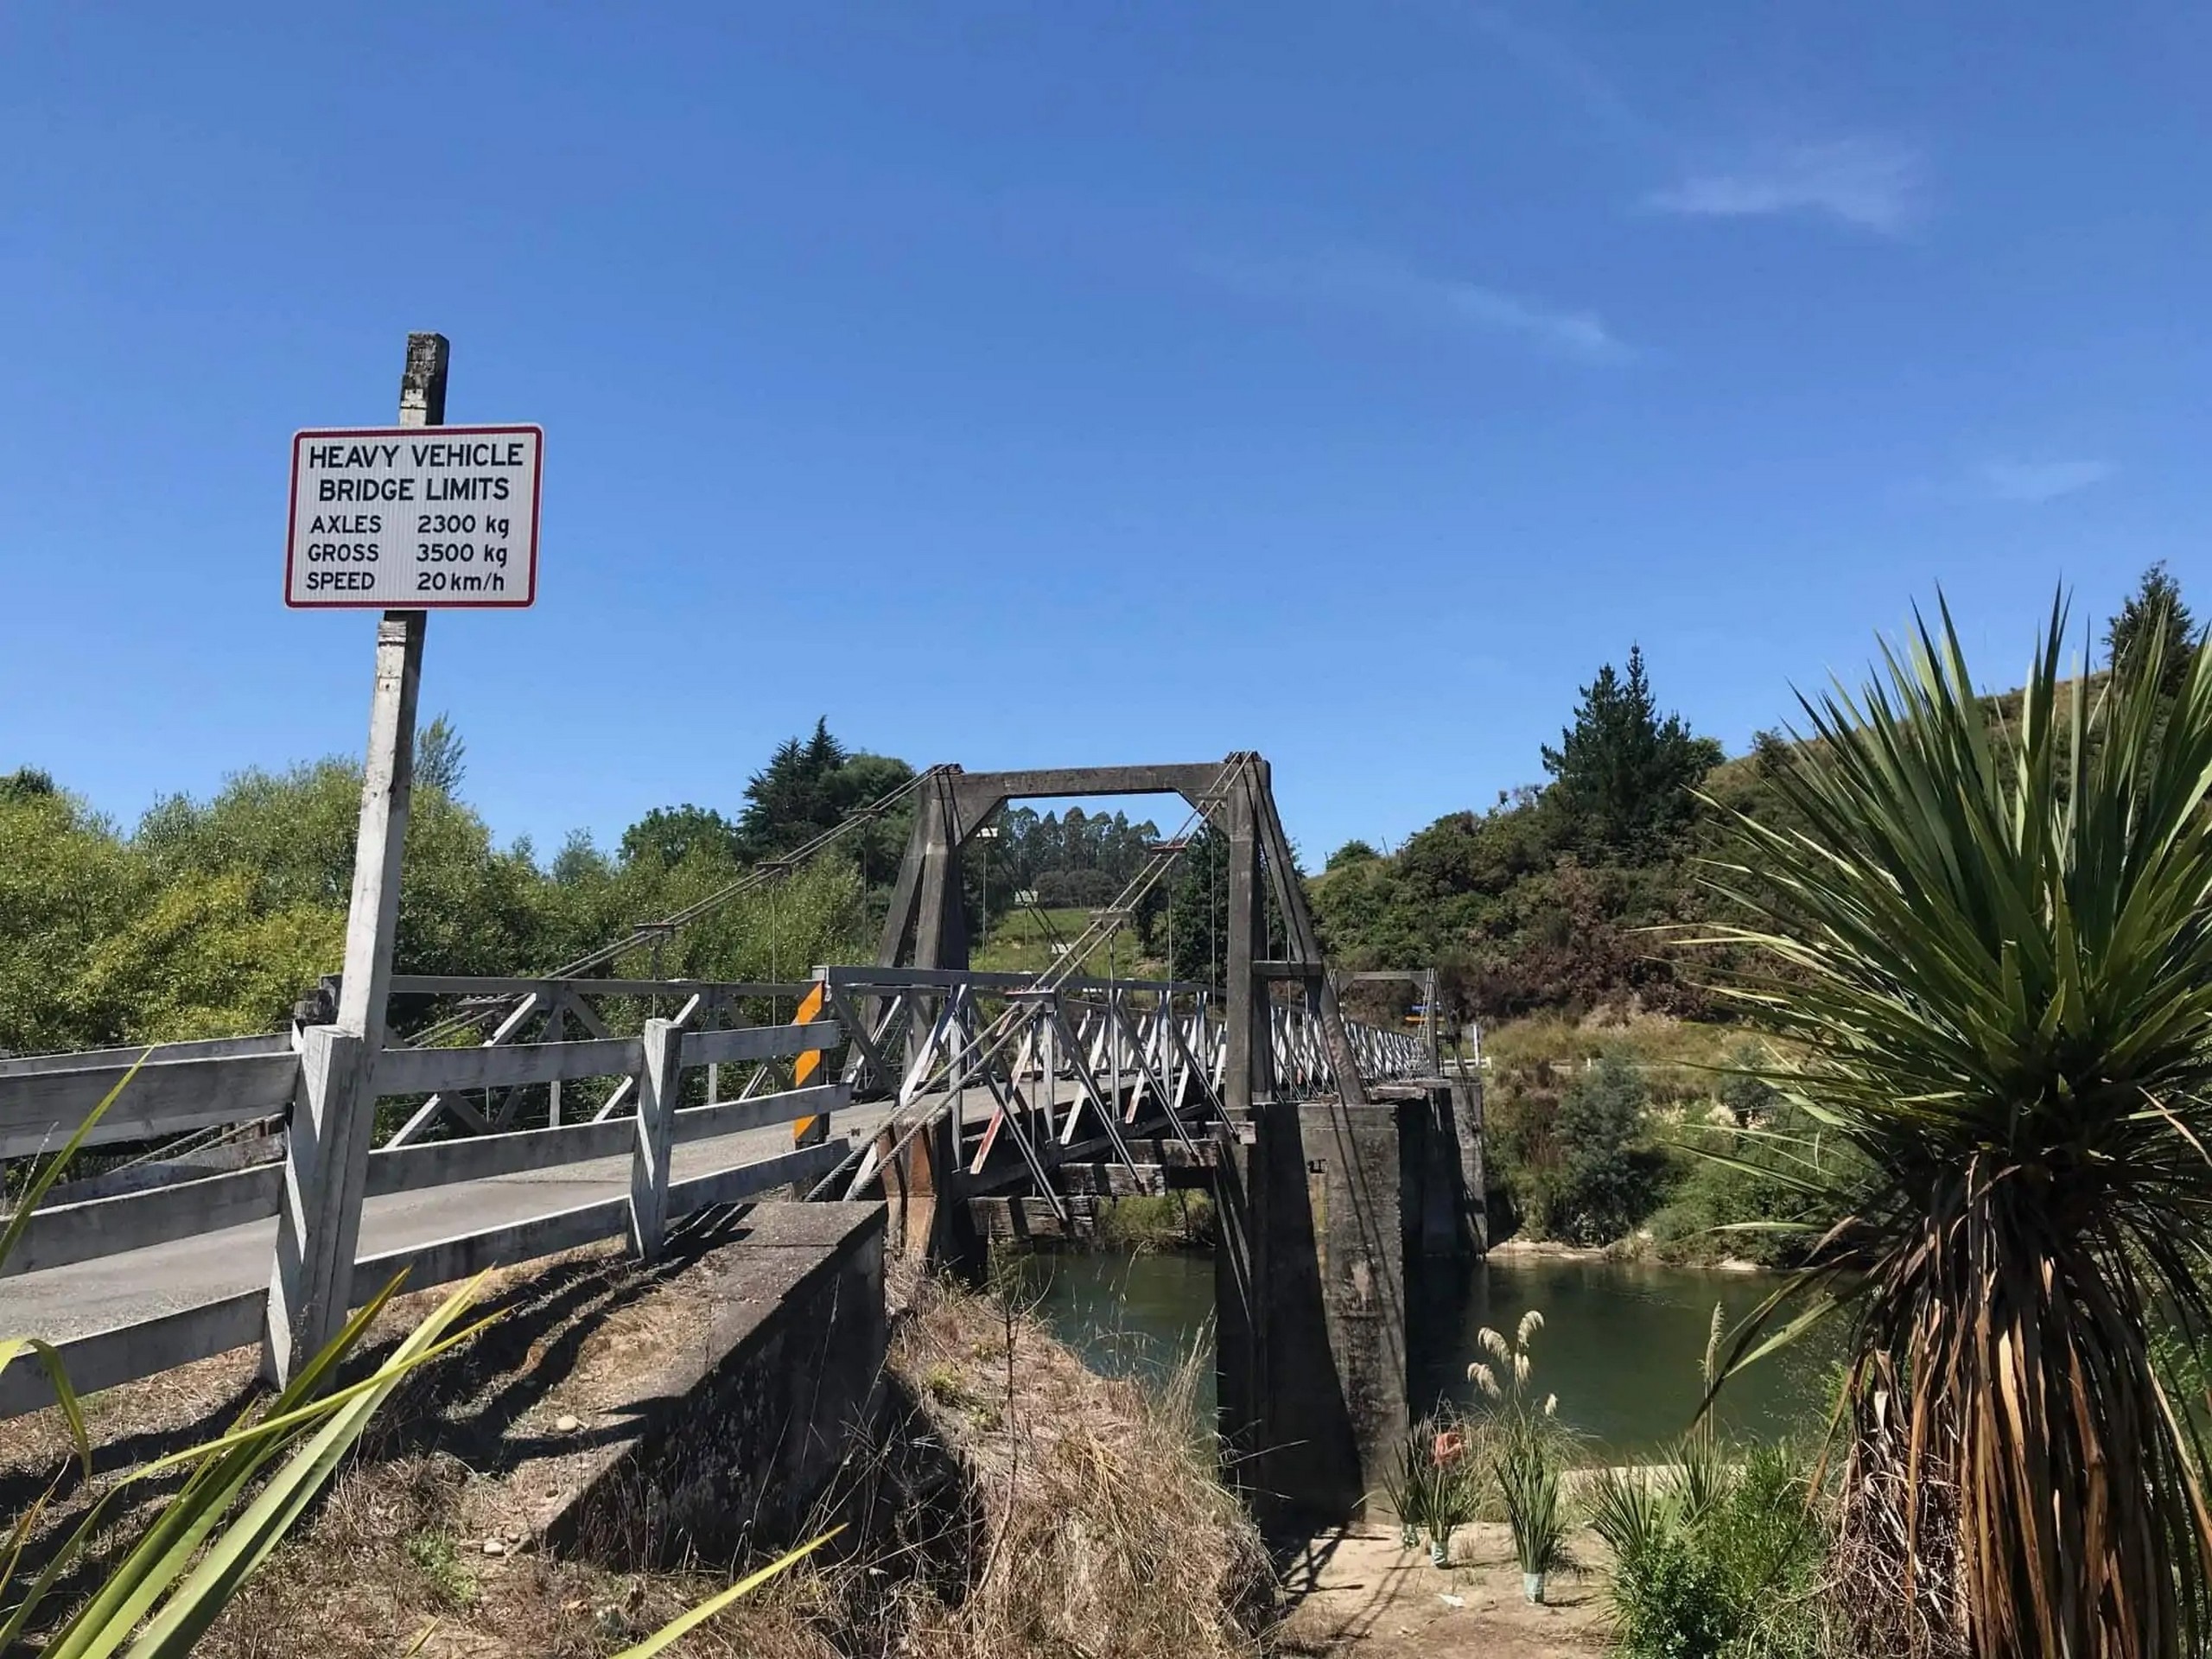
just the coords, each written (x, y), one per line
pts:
(1742, 1191)
(1160, 1221)
(1718, 1554)
(1674, 1603)
(1605, 1179)
(1716, 1557)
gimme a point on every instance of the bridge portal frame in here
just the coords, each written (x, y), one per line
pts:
(927, 925)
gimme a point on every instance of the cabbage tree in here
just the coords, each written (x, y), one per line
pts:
(1990, 948)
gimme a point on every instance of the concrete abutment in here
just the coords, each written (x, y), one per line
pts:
(729, 1436)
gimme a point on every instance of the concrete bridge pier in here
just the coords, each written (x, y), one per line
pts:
(1309, 1284)
(1323, 1205)
(1441, 1142)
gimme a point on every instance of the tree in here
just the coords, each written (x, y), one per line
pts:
(465, 906)
(1604, 1186)
(1625, 775)
(441, 757)
(1352, 852)
(27, 784)
(669, 835)
(2152, 621)
(1196, 920)
(810, 785)
(199, 958)
(779, 931)
(579, 860)
(1988, 953)
(66, 882)
(1748, 1097)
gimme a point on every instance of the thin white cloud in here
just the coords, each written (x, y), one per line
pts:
(1385, 288)
(1550, 60)
(1868, 182)
(2042, 480)
(1579, 334)
(1871, 184)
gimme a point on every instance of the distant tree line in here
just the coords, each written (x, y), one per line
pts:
(212, 917)
(1082, 858)
(1565, 896)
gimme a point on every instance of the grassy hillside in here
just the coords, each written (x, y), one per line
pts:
(1020, 943)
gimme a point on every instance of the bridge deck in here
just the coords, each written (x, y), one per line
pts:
(63, 1303)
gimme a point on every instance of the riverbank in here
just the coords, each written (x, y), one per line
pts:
(1637, 1247)
(1011, 1503)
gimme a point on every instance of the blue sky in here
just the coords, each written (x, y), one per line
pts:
(1054, 383)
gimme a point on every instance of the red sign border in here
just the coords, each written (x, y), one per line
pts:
(292, 525)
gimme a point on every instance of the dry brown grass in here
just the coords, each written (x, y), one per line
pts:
(1017, 1505)
(392, 1554)
(1106, 1531)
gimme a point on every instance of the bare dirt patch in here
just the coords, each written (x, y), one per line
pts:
(1360, 1594)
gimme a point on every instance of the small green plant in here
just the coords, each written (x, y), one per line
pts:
(1625, 1509)
(439, 1562)
(1433, 1485)
(1706, 1568)
(1530, 1451)
(1716, 1554)
(1528, 1473)
(1409, 1490)
(944, 1384)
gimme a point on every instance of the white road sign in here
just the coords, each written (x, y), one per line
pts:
(411, 518)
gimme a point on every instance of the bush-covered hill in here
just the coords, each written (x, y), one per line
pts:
(1556, 898)
(1573, 896)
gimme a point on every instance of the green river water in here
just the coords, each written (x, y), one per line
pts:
(1620, 1345)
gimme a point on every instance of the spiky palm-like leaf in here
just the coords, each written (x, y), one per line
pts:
(1998, 948)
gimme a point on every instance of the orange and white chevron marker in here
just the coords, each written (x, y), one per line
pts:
(809, 1060)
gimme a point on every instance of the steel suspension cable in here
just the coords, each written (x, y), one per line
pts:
(651, 933)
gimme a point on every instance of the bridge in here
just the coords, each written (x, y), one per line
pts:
(531, 1115)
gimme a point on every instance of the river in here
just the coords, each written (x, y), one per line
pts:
(1620, 1345)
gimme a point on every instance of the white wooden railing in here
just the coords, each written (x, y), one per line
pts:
(182, 1087)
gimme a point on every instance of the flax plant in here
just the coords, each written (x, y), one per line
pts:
(1990, 942)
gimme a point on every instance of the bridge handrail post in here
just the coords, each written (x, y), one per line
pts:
(659, 1092)
(326, 1170)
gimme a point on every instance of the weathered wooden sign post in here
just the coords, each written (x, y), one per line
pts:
(410, 518)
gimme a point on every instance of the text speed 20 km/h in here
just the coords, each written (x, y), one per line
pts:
(411, 518)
